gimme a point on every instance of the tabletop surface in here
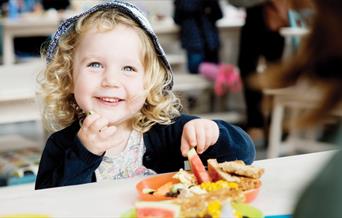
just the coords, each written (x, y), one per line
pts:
(282, 182)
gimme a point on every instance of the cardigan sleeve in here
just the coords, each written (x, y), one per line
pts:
(163, 145)
(65, 162)
(233, 144)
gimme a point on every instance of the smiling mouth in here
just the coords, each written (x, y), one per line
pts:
(109, 100)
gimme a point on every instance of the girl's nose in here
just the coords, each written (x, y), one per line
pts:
(110, 78)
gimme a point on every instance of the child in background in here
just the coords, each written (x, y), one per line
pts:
(259, 37)
(108, 84)
(199, 34)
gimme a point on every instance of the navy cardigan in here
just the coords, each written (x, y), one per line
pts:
(65, 161)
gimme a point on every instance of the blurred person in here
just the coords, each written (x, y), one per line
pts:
(55, 4)
(299, 15)
(259, 37)
(198, 30)
(318, 63)
(3, 8)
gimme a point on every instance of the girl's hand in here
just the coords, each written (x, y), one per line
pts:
(199, 132)
(96, 135)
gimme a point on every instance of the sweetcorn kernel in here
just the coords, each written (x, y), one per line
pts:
(214, 209)
(237, 214)
(214, 186)
(233, 185)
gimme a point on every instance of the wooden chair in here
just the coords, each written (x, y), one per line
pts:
(289, 101)
(195, 83)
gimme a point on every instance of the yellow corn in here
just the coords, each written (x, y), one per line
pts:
(214, 209)
(213, 186)
(233, 185)
(237, 214)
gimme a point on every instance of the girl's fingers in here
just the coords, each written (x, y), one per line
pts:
(214, 136)
(107, 132)
(210, 135)
(188, 139)
(215, 133)
(98, 125)
(88, 121)
(201, 139)
(185, 146)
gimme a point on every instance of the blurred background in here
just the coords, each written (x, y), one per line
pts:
(211, 78)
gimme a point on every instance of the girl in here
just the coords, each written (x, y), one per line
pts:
(108, 84)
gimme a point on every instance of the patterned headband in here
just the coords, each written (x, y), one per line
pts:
(124, 7)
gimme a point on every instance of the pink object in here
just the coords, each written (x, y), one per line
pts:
(226, 77)
(209, 70)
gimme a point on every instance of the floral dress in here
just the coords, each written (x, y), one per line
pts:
(126, 164)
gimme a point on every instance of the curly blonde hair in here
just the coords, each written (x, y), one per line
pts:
(56, 83)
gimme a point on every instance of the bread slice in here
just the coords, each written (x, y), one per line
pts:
(216, 173)
(240, 168)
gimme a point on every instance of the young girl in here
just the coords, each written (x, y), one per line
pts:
(108, 84)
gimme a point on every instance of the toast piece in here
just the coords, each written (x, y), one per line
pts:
(248, 183)
(216, 173)
(247, 177)
(238, 167)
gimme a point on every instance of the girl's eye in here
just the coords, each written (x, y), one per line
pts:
(129, 68)
(95, 65)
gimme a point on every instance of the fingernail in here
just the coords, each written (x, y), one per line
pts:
(90, 113)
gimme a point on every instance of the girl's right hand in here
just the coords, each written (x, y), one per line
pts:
(95, 134)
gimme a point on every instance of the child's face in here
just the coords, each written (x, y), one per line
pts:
(108, 73)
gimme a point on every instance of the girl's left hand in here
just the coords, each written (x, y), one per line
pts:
(201, 133)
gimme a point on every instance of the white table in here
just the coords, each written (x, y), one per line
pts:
(283, 180)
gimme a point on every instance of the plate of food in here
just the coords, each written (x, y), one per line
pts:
(166, 187)
(239, 182)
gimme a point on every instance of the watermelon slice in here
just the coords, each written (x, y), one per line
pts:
(197, 167)
(148, 209)
(213, 170)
